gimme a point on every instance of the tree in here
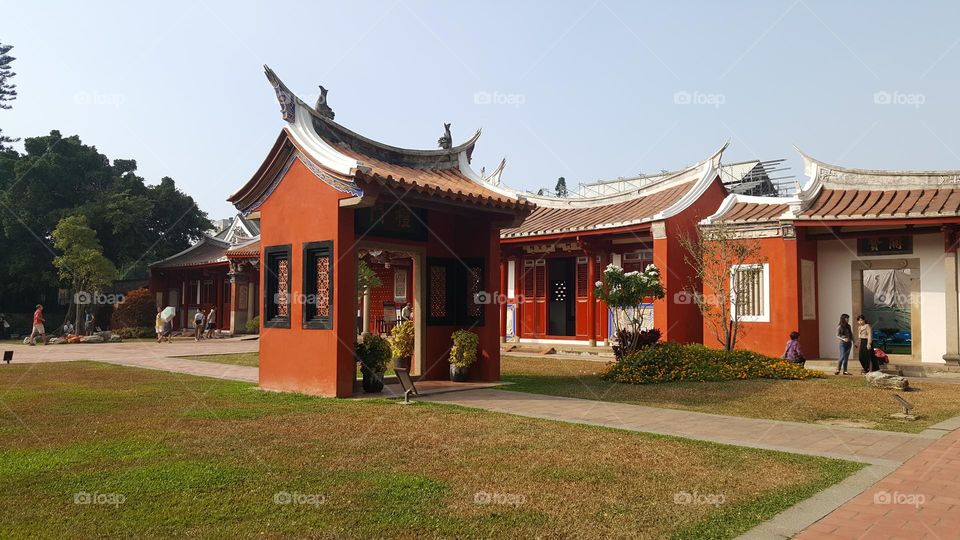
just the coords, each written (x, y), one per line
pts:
(8, 90)
(561, 189)
(715, 255)
(82, 263)
(58, 176)
(628, 294)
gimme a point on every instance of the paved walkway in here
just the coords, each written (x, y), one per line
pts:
(149, 355)
(871, 446)
(921, 499)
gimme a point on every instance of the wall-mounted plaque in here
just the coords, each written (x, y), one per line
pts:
(393, 221)
(885, 245)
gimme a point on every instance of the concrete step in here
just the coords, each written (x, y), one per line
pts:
(906, 370)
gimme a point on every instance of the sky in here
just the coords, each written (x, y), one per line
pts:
(585, 90)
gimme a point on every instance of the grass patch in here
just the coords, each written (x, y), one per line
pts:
(190, 455)
(848, 398)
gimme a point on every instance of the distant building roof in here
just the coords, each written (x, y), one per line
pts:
(208, 250)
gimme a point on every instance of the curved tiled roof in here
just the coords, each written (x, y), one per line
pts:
(246, 250)
(658, 200)
(834, 192)
(350, 162)
(208, 250)
(551, 220)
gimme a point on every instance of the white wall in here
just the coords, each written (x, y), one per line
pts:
(834, 275)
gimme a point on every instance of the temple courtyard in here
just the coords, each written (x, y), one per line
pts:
(194, 431)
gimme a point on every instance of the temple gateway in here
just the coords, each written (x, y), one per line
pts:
(453, 249)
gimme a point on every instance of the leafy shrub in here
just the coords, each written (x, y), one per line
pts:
(374, 353)
(464, 350)
(138, 309)
(402, 340)
(136, 332)
(253, 325)
(669, 362)
(629, 342)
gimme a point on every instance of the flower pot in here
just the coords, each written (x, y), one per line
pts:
(458, 374)
(402, 362)
(372, 382)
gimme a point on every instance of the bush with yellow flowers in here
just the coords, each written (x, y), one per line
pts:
(672, 362)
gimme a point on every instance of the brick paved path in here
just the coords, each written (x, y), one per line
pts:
(870, 446)
(921, 500)
(149, 354)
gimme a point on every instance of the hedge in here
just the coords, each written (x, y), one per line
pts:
(670, 362)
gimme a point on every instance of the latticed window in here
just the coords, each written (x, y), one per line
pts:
(276, 289)
(438, 291)
(476, 299)
(283, 288)
(455, 292)
(318, 285)
(750, 290)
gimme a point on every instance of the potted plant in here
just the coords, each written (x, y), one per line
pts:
(374, 354)
(462, 354)
(401, 341)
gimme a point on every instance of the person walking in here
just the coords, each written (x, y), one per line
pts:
(845, 336)
(88, 323)
(865, 349)
(38, 326)
(211, 323)
(792, 353)
(198, 325)
(158, 325)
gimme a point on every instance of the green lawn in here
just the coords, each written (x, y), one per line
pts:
(846, 398)
(251, 359)
(162, 455)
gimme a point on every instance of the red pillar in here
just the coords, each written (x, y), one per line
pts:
(501, 297)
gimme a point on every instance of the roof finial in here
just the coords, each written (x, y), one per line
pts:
(445, 142)
(323, 109)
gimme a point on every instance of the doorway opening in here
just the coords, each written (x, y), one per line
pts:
(562, 318)
(389, 293)
(887, 294)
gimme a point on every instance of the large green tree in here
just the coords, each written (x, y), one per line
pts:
(60, 176)
(81, 263)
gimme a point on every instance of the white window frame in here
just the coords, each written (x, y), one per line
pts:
(766, 292)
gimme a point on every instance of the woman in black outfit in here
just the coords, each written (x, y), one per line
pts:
(865, 351)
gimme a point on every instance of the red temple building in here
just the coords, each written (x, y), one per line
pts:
(857, 241)
(325, 198)
(221, 272)
(551, 261)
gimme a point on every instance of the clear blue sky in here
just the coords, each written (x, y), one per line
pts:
(588, 88)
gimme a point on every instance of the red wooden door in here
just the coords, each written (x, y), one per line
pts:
(528, 307)
(582, 307)
(540, 298)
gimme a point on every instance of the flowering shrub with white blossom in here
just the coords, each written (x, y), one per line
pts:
(627, 293)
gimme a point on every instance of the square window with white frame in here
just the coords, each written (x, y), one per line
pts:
(750, 292)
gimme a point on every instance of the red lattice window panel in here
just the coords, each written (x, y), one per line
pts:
(438, 292)
(323, 286)
(283, 288)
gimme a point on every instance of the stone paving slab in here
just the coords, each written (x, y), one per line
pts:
(870, 446)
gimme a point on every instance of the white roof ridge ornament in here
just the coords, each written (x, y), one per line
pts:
(711, 171)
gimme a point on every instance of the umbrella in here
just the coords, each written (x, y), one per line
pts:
(168, 313)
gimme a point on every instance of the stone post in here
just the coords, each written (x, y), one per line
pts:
(950, 294)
